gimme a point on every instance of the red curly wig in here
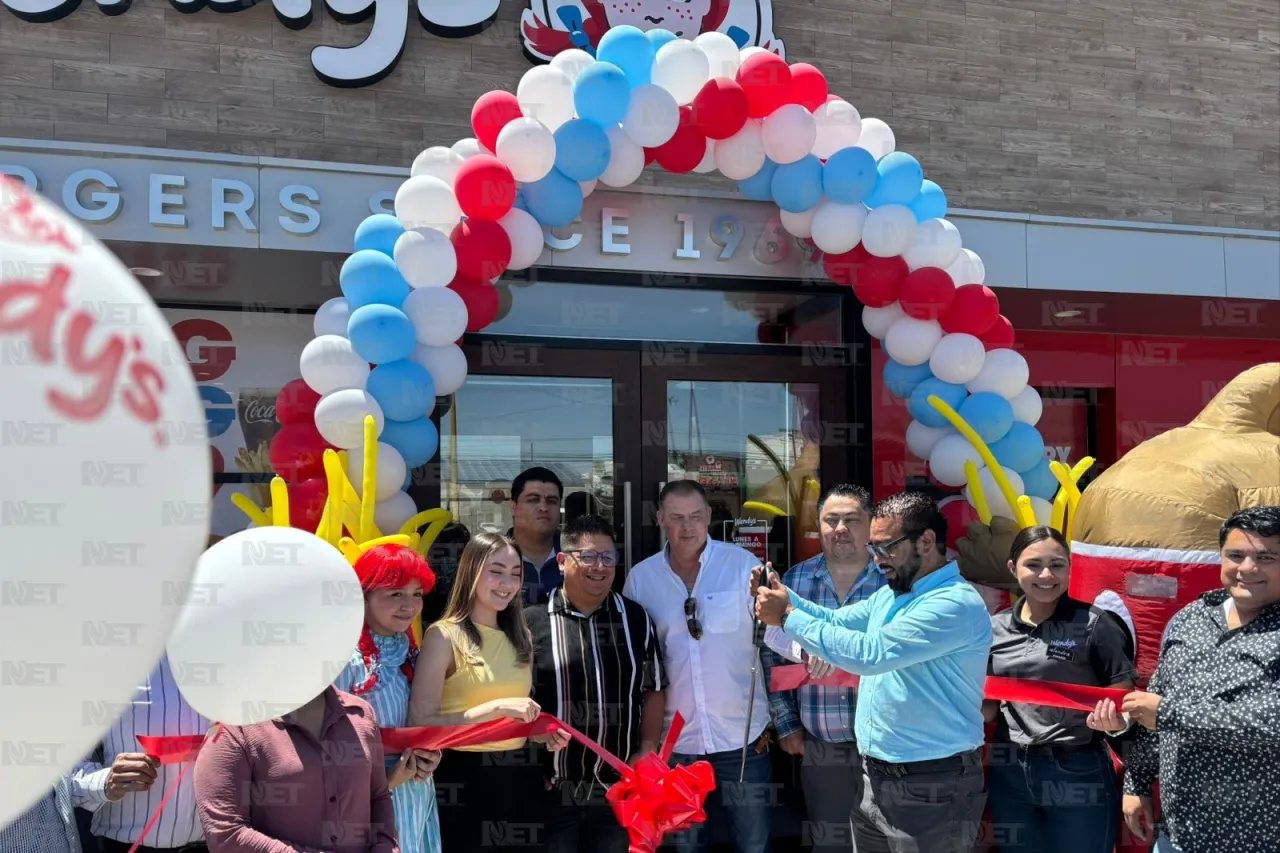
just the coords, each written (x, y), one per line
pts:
(389, 567)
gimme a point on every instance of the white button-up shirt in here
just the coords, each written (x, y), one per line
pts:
(708, 680)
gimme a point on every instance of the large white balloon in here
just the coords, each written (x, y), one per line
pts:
(652, 117)
(741, 155)
(948, 457)
(1027, 406)
(426, 258)
(838, 125)
(390, 515)
(708, 162)
(910, 341)
(722, 54)
(572, 61)
(788, 133)
(526, 236)
(957, 358)
(425, 201)
(439, 315)
(340, 417)
(682, 69)
(329, 363)
(528, 149)
(837, 227)
(390, 473)
(1004, 372)
(626, 160)
(877, 137)
(469, 147)
(285, 620)
(447, 366)
(967, 268)
(889, 230)
(995, 498)
(438, 162)
(878, 321)
(332, 317)
(798, 224)
(748, 52)
(921, 439)
(936, 244)
(545, 94)
(106, 479)
(1043, 511)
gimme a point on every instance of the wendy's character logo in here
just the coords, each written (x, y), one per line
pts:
(550, 26)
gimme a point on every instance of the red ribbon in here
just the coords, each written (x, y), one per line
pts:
(171, 750)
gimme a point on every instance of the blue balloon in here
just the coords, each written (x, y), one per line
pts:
(659, 37)
(379, 233)
(931, 203)
(582, 150)
(899, 180)
(380, 333)
(602, 94)
(902, 380)
(849, 175)
(417, 440)
(797, 187)
(521, 201)
(918, 404)
(989, 414)
(555, 200)
(370, 277)
(628, 48)
(1021, 449)
(403, 389)
(759, 187)
(1039, 482)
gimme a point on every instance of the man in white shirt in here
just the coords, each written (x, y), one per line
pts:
(697, 592)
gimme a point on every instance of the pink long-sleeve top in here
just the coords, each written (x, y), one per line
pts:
(274, 788)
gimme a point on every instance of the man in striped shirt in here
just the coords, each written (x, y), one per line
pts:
(817, 722)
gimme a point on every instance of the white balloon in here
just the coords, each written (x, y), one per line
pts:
(1027, 406)
(390, 473)
(936, 244)
(545, 94)
(995, 498)
(921, 439)
(838, 125)
(426, 258)
(967, 268)
(798, 224)
(889, 230)
(285, 620)
(572, 61)
(878, 321)
(528, 149)
(626, 160)
(910, 341)
(682, 69)
(588, 187)
(439, 315)
(652, 117)
(105, 471)
(438, 162)
(1004, 372)
(708, 163)
(877, 137)
(426, 201)
(748, 52)
(722, 54)
(947, 458)
(788, 133)
(332, 317)
(391, 514)
(1043, 511)
(329, 363)
(741, 155)
(469, 147)
(447, 366)
(957, 358)
(837, 228)
(340, 417)
(526, 238)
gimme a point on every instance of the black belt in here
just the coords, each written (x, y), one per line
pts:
(933, 765)
(110, 845)
(1053, 750)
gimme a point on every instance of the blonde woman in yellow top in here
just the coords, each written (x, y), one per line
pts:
(476, 666)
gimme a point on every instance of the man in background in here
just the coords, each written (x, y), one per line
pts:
(536, 495)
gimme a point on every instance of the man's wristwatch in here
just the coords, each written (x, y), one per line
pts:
(791, 608)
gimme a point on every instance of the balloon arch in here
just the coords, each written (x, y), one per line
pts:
(420, 279)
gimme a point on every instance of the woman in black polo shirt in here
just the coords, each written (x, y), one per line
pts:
(1053, 788)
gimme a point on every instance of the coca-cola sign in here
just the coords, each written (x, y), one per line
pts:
(260, 411)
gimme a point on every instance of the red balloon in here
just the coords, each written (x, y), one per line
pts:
(492, 112)
(297, 452)
(650, 156)
(972, 312)
(296, 403)
(999, 336)
(927, 293)
(808, 86)
(306, 503)
(481, 299)
(685, 150)
(843, 268)
(766, 78)
(720, 109)
(483, 249)
(485, 188)
(878, 281)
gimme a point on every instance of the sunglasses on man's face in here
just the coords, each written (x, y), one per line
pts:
(882, 551)
(691, 617)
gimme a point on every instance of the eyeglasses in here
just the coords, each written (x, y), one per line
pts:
(608, 559)
(882, 551)
(691, 617)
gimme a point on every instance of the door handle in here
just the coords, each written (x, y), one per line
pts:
(626, 524)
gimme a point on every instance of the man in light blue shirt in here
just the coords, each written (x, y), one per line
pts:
(921, 645)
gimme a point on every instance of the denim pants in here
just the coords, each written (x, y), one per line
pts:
(746, 808)
(1053, 801)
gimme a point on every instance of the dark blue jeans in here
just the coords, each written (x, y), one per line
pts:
(1053, 801)
(747, 807)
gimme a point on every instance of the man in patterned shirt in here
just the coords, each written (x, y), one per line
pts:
(817, 722)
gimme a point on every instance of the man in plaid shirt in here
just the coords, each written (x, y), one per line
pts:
(817, 722)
